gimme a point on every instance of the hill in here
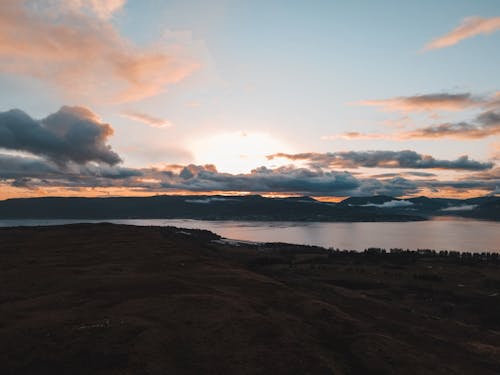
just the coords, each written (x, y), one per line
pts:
(212, 207)
(109, 299)
(250, 207)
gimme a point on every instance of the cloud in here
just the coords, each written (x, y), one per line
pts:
(22, 167)
(208, 200)
(492, 174)
(103, 9)
(464, 207)
(426, 103)
(73, 46)
(283, 179)
(382, 159)
(306, 181)
(72, 134)
(485, 125)
(402, 174)
(69, 151)
(469, 28)
(493, 102)
(155, 122)
(33, 173)
(287, 179)
(465, 184)
(495, 151)
(390, 204)
(28, 171)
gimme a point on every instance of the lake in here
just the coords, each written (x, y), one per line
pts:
(445, 233)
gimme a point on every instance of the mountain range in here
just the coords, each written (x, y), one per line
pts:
(250, 207)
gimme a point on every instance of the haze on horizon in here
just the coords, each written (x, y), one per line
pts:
(335, 99)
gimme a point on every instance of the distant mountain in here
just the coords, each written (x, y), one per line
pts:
(487, 207)
(214, 207)
(250, 207)
(364, 201)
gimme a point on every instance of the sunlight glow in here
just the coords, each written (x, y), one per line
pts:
(237, 152)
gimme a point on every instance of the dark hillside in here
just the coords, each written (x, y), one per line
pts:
(109, 299)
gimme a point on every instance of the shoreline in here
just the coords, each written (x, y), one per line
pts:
(275, 231)
(265, 244)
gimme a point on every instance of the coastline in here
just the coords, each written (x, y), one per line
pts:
(451, 234)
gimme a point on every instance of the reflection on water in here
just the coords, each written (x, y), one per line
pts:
(441, 234)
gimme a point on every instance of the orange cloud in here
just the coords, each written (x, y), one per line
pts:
(155, 122)
(469, 28)
(103, 9)
(425, 103)
(495, 150)
(82, 53)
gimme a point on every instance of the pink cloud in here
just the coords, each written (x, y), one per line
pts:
(469, 28)
(425, 103)
(84, 55)
(155, 122)
(103, 9)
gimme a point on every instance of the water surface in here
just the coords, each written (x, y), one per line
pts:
(441, 233)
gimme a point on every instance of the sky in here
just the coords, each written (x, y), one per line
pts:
(322, 98)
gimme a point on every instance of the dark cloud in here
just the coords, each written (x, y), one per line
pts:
(291, 180)
(410, 173)
(28, 167)
(489, 185)
(382, 159)
(284, 179)
(420, 174)
(31, 173)
(395, 187)
(72, 134)
(489, 119)
(485, 125)
(192, 170)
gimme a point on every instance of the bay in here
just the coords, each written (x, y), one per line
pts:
(442, 233)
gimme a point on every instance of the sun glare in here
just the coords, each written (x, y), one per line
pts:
(238, 152)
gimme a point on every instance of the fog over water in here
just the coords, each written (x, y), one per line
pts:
(444, 233)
